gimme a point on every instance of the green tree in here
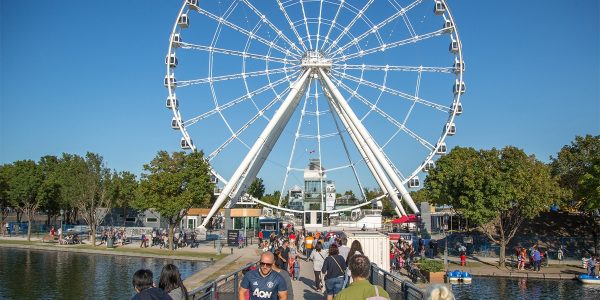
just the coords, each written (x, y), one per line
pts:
(576, 167)
(71, 176)
(4, 200)
(24, 180)
(493, 189)
(273, 199)
(256, 188)
(50, 189)
(123, 189)
(93, 200)
(171, 185)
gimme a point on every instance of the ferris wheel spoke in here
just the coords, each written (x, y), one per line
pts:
(391, 91)
(296, 136)
(244, 75)
(386, 116)
(279, 32)
(247, 125)
(349, 26)
(306, 24)
(375, 28)
(319, 24)
(291, 24)
(383, 47)
(337, 13)
(346, 151)
(249, 34)
(364, 67)
(238, 53)
(238, 100)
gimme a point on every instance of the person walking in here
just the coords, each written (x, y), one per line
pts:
(288, 281)
(334, 268)
(318, 257)
(263, 283)
(170, 282)
(361, 288)
(309, 241)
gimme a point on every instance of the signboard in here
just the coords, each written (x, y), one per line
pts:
(232, 238)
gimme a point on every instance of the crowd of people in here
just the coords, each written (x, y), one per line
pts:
(340, 272)
(170, 286)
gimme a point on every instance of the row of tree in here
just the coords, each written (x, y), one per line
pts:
(83, 187)
(498, 189)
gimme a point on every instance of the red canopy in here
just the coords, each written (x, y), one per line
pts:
(405, 219)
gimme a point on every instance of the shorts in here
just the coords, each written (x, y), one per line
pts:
(334, 285)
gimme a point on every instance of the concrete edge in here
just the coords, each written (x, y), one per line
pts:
(102, 252)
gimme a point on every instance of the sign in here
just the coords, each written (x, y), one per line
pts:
(232, 238)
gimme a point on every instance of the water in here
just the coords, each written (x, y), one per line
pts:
(522, 288)
(33, 274)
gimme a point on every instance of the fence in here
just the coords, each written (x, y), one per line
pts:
(226, 287)
(395, 286)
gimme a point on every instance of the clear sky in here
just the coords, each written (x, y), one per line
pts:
(88, 76)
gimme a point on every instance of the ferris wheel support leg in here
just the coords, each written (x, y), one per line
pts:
(368, 139)
(363, 152)
(288, 104)
(336, 97)
(264, 151)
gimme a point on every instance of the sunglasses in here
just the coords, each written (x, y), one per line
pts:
(264, 264)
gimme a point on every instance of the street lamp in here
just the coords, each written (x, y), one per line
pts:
(446, 238)
(62, 213)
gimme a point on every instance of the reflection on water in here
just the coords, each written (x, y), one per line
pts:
(33, 274)
(522, 288)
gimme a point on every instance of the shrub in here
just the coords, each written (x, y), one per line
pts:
(429, 265)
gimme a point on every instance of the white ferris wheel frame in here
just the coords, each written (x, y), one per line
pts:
(319, 68)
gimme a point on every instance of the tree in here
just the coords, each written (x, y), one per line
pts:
(4, 200)
(123, 189)
(171, 185)
(576, 167)
(256, 188)
(493, 189)
(93, 200)
(273, 199)
(24, 180)
(50, 189)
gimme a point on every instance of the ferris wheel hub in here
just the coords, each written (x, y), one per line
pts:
(315, 59)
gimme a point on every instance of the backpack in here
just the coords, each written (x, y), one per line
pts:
(377, 297)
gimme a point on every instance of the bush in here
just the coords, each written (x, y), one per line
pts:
(429, 265)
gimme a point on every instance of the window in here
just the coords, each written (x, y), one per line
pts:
(129, 219)
(151, 220)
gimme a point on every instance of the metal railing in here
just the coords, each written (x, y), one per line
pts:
(397, 287)
(223, 288)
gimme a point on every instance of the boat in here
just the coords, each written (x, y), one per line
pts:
(584, 278)
(459, 276)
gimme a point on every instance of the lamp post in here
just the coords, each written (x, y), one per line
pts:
(446, 238)
(62, 213)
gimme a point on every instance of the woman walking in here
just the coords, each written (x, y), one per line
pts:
(334, 268)
(318, 257)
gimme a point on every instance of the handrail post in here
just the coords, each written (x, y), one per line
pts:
(213, 291)
(235, 286)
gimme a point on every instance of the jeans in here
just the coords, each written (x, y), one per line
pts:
(536, 265)
(334, 285)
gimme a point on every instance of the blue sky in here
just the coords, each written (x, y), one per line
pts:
(87, 76)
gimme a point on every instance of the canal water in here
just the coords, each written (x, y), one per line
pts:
(522, 288)
(33, 274)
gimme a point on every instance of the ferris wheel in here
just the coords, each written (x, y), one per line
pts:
(365, 90)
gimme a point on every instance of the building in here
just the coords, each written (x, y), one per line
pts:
(296, 201)
(314, 185)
